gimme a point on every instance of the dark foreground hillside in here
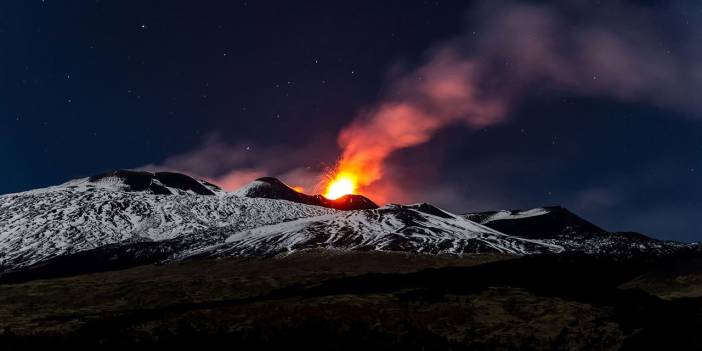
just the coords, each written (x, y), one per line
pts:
(330, 300)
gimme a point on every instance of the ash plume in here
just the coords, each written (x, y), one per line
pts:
(515, 50)
(507, 52)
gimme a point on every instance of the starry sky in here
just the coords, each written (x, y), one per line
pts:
(231, 90)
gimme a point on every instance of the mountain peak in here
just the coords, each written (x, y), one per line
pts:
(431, 209)
(536, 223)
(273, 188)
(270, 188)
(160, 183)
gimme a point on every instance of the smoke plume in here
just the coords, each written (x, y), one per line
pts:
(516, 50)
(507, 53)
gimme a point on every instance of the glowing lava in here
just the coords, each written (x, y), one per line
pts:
(341, 184)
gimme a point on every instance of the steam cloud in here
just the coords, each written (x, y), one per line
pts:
(476, 78)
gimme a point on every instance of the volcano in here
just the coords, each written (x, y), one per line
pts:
(166, 217)
(272, 188)
(193, 263)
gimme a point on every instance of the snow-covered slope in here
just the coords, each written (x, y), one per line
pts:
(181, 217)
(84, 214)
(184, 216)
(418, 228)
(153, 217)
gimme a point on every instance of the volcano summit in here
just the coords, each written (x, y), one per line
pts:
(272, 188)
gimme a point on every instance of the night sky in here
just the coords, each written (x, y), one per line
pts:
(230, 91)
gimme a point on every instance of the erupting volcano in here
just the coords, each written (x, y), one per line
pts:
(342, 183)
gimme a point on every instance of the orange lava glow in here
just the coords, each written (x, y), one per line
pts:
(299, 189)
(340, 184)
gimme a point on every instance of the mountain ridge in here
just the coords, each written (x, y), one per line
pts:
(129, 216)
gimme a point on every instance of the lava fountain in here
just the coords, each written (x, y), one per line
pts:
(340, 184)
